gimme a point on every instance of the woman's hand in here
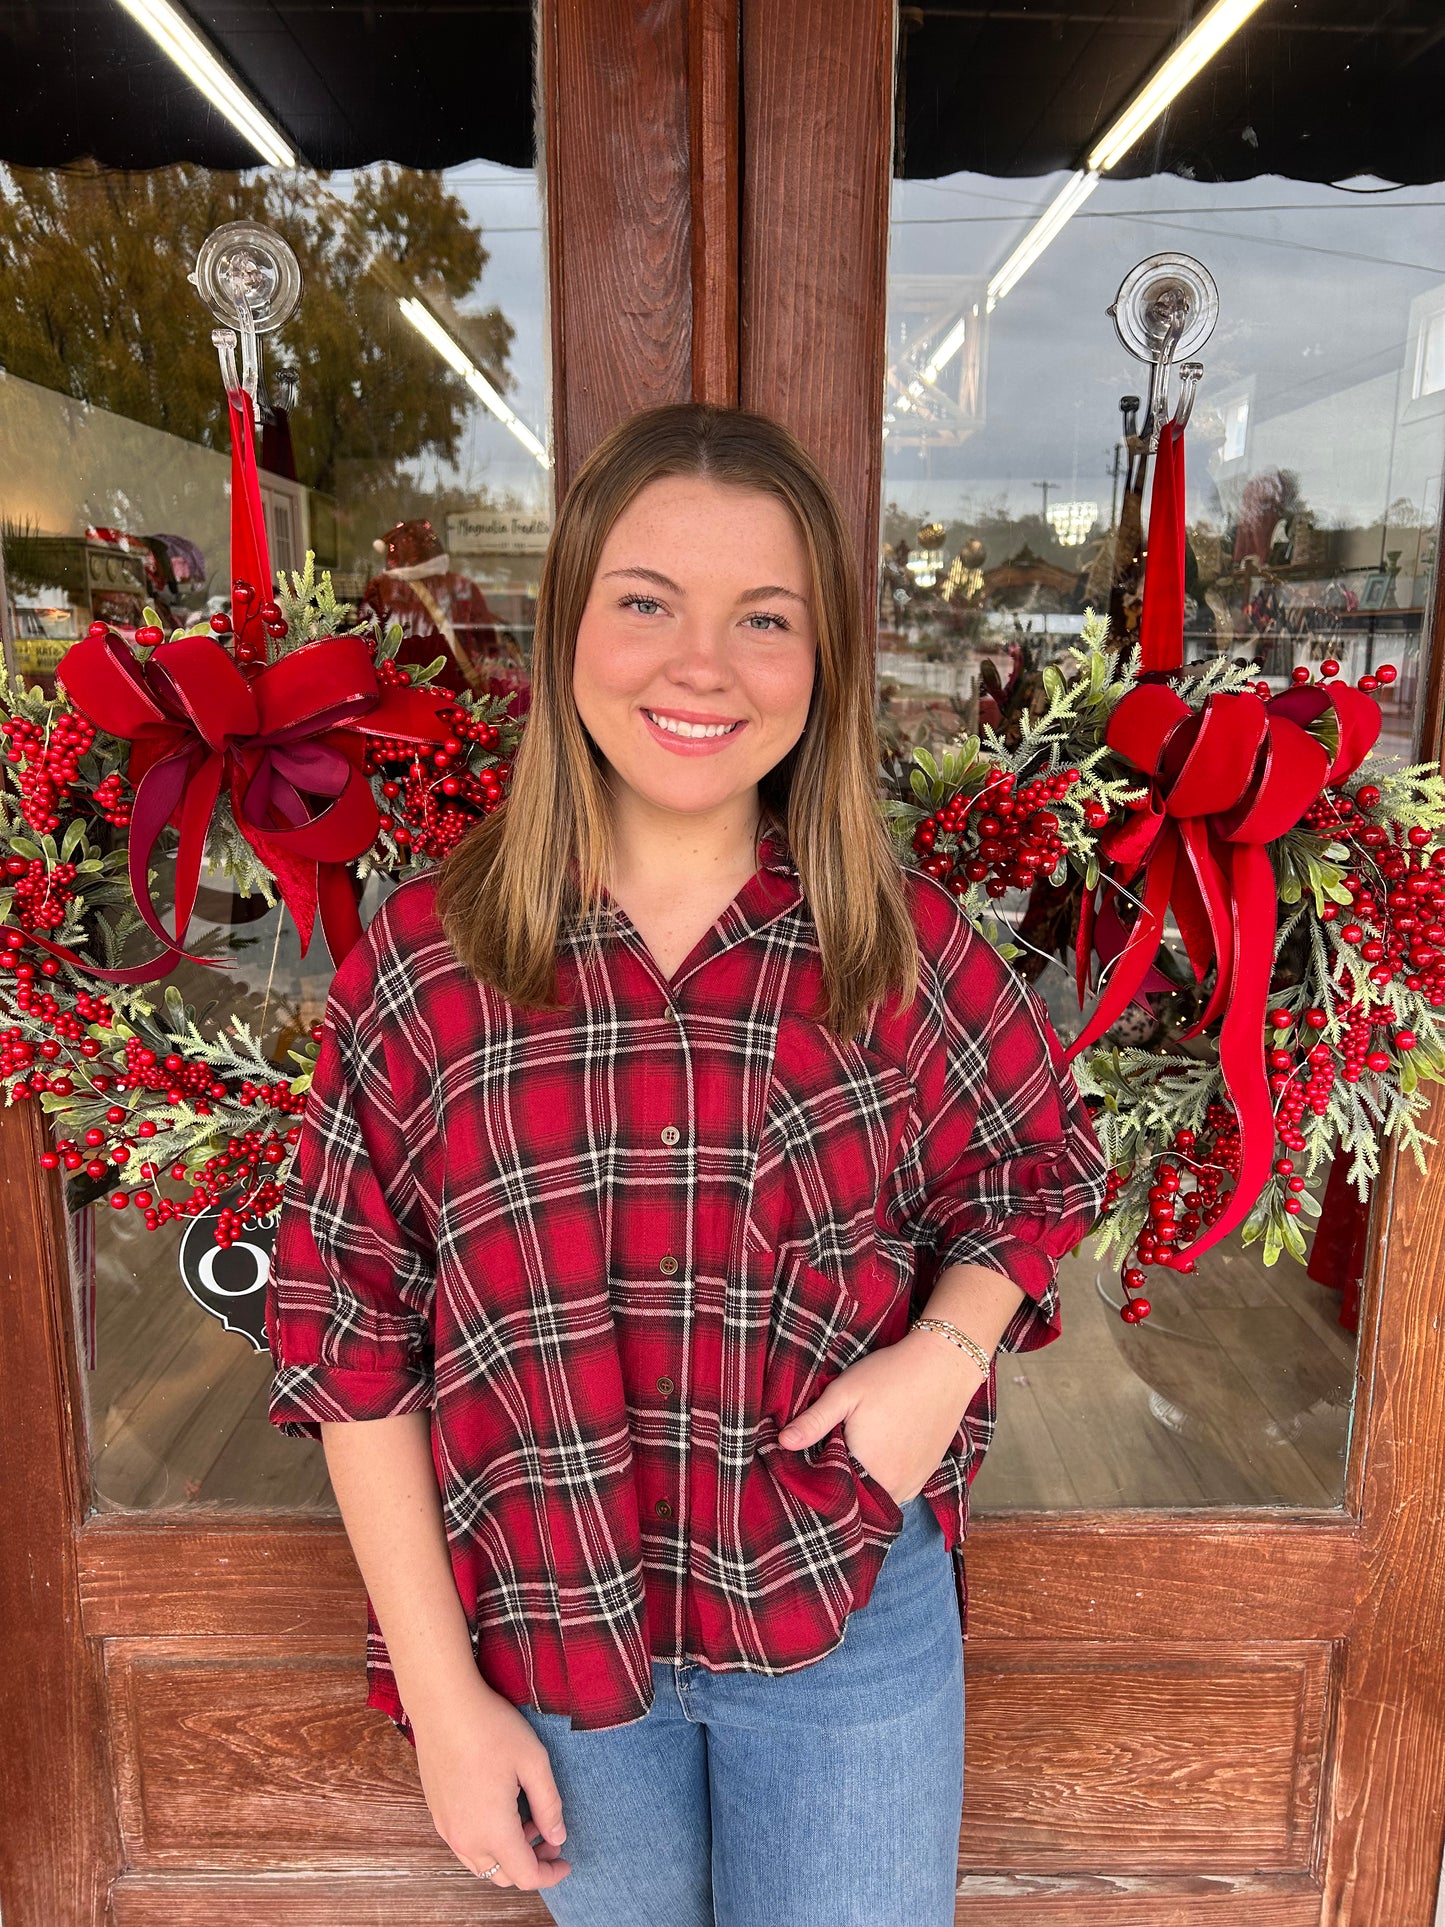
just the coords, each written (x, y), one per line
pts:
(473, 1758)
(900, 1407)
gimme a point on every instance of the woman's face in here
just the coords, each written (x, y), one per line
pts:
(701, 612)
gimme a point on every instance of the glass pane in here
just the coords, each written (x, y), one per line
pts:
(1314, 464)
(429, 504)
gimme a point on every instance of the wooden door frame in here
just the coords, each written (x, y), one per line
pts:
(59, 1843)
(685, 259)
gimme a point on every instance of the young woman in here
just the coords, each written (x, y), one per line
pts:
(675, 1161)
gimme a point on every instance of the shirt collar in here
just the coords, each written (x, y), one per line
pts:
(774, 887)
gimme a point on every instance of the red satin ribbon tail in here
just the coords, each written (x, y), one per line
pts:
(154, 802)
(1241, 1056)
(1131, 966)
(197, 809)
(340, 920)
(1209, 873)
(145, 973)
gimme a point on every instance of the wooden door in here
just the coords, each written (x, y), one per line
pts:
(1218, 1715)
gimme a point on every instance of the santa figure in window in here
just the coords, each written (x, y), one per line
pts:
(441, 613)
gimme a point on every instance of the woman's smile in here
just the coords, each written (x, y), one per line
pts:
(687, 735)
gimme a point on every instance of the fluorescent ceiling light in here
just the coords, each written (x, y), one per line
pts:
(177, 38)
(1065, 204)
(432, 332)
(1189, 58)
(1193, 53)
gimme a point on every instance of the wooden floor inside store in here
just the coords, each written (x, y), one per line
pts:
(1236, 1392)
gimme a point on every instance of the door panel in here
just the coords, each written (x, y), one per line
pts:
(216, 1750)
(1077, 1749)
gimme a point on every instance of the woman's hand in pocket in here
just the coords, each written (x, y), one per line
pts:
(900, 1408)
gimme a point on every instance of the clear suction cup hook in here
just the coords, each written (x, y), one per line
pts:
(250, 280)
(1165, 310)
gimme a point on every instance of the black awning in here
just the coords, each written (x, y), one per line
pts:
(426, 85)
(1315, 90)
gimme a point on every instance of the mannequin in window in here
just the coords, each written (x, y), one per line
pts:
(440, 611)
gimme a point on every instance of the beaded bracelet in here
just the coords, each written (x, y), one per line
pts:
(961, 1339)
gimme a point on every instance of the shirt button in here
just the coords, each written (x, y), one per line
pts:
(664, 1385)
(663, 1508)
(670, 1134)
(667, 1265)
(668, 1011)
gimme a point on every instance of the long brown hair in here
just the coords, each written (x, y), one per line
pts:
(504, 890)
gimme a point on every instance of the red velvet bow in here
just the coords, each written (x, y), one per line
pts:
(1224, 782)
(288, 740)
(290, 744)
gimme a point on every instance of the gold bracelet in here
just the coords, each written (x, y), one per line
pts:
(961, 1339)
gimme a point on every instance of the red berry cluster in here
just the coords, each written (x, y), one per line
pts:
(1380, 679)
(1398, 923)
(1299, 1084)
(249, 652)
(51, 763)
(246, 1162)
(42, 896)
(110, 798)
(1007, 836)
(68, 1021)
(1205, 1160)
(440, 797)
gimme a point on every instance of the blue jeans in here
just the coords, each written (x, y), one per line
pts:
(827, 1797)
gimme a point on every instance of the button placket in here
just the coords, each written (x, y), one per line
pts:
(669, 1265)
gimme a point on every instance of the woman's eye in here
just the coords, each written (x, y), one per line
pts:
(645, 605)
(761, 615)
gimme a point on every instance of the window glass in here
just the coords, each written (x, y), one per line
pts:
(427, 494)
(1314, 463)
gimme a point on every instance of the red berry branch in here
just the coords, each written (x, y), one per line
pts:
(1360, 965)
(142, 1099)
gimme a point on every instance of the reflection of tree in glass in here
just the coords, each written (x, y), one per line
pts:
(94, 302)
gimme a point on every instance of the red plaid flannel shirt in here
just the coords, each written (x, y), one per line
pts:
(613, 1249)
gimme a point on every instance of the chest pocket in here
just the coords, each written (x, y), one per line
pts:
(836, 1118)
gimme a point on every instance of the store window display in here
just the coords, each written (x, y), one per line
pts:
(115, 484)
(441, 612)
(1015, 500)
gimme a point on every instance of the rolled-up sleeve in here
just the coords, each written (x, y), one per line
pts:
(350, 1296)
(1012, 1175)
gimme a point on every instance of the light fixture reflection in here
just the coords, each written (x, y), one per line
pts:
(179, 41)
(1189, 58)
(451, 351)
